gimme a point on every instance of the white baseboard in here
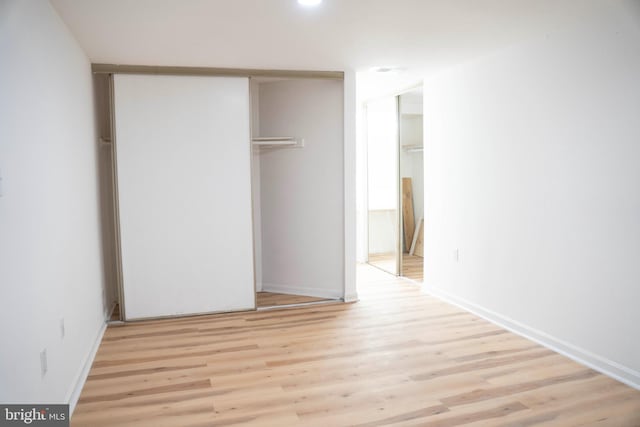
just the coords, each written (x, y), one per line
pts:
(351, 297)
(84, 373)
(601, 364)
(302, 290)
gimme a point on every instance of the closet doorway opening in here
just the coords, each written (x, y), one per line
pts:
(103, 86)
(395, 184)
(283, 162)
(297, 148)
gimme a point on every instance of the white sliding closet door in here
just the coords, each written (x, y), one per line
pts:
(184, 184)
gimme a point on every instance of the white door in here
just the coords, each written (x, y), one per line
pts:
(184, 184)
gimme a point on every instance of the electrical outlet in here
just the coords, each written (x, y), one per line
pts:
(456, 255)
(43, 362)
(62, 328)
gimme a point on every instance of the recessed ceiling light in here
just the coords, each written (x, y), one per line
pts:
(309, 2)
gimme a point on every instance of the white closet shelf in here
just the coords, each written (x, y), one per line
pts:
(277, 141)
(412, 148)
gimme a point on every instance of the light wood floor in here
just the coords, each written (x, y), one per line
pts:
(387, 262)
(270, 299)
(397, 357)
(412, 265)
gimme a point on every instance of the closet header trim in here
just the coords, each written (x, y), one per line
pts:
(207, 71)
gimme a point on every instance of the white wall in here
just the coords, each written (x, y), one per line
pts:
(50, 257)
(382, 232)
(382, 175)
(382, 154)
(532, 172)
(302, 189)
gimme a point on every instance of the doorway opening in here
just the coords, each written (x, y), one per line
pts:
(297, 138)
(395, 184)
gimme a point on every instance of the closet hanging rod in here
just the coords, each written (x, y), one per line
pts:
(279, 141)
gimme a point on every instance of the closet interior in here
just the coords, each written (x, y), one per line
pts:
(220, 193)
(102, 108)
(297, 177)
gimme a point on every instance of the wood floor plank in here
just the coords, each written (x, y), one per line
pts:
(413, 267)
(397, 357)
(270, 299)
